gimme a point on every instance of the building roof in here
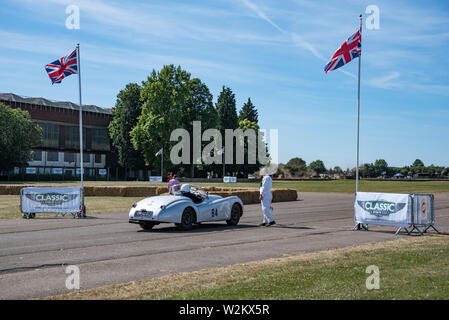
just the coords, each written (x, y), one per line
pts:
(11, 97)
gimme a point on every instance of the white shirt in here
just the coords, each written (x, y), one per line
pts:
(265, 186)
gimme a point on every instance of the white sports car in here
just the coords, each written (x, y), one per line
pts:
(190, 205)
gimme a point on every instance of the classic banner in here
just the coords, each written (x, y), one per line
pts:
(388, 209)
(50, 200)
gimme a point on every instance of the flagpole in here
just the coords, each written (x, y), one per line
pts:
(81, 121)
(224, 163)
(162, 163)
(358, 118)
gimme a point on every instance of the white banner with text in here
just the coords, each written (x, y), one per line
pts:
(50, 200)
(387, 209)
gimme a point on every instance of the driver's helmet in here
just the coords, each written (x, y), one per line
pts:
(185, 188)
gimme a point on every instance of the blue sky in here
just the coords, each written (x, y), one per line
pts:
(271, 51)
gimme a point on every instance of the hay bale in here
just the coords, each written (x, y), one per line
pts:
(251, 195)
(161, 190)
(284, 194)
(12, 189)
(108, 191)
(140, 191)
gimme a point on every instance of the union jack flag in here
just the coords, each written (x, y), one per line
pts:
(350, 49)
(63, 67)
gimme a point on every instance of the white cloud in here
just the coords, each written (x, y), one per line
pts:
(385, 81)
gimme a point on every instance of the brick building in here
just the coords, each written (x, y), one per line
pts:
(59, 152)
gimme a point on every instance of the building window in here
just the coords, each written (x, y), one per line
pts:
(72, 137)
(37, 156)
(100, 139)
(97, 158)
(50, 133)
(69, 157)
(86, 157)
(52, 156)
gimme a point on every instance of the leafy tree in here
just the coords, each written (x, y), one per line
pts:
(367, 170)
(249, 119)
(226, 109)
(18, 135)
(381, 164)
(198, 107)
(124, 118)
(227, 118)
(249, 112)
(296, 166)
(317, 166)
(246, 124)
(379, 167)
(296, 162)
(418, 163)
(338, 170)
(164, 95)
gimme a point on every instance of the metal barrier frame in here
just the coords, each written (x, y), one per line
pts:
(413, 225)
(32, 215)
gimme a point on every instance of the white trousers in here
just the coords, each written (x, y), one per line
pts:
(266, 203)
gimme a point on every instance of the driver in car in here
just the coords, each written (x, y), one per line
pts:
(185, 191)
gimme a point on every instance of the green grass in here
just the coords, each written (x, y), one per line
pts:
(408, 273)
(409, 268)
(338, 186)
(348, 186)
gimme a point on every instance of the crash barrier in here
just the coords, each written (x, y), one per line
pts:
(247, 195)
(405, 211)
(50, 200)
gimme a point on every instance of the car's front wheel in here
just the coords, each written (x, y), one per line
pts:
(147, 225)
(236, 213)
(187, 219)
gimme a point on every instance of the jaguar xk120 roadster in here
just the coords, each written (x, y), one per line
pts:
(190, 205)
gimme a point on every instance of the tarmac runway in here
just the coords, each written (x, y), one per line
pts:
(107, 249)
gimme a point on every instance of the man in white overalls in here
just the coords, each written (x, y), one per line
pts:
(266, 197)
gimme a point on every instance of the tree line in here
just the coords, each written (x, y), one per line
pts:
(145, 115)
(297, 167)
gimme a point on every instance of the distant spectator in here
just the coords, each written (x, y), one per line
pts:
(173, 184)
(169, 177)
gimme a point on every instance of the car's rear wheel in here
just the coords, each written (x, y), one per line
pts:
(187, 219)
(236, 213)
(147, 225)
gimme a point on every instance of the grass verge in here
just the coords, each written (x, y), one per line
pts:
(410, 268)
